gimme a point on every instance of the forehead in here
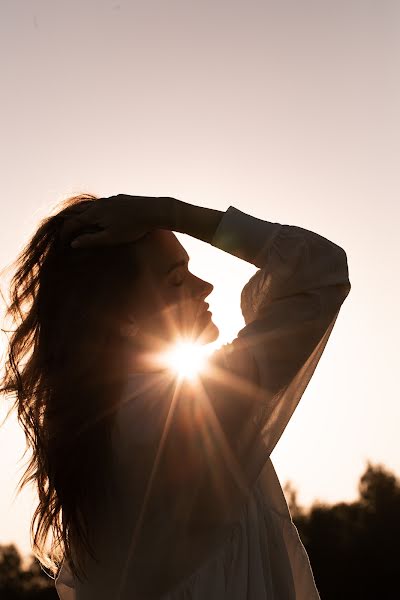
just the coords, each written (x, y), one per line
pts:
(160, 250)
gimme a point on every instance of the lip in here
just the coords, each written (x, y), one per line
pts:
(205, 310)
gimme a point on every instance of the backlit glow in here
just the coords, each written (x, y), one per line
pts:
(187, 359)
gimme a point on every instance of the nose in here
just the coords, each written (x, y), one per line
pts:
(203, 288)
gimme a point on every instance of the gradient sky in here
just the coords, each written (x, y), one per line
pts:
(286, 110)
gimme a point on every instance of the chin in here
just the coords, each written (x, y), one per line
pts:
(208, 334)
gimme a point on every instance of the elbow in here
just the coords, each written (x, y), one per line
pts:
(344, 289)
(341, 269)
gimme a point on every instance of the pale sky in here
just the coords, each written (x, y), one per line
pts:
(286, 110)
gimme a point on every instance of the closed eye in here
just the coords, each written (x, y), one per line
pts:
(178, 276)
(180, 263)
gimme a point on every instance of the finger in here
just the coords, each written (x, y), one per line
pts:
(91, 240)
(72, 225)
(84, 211)
(78, 208)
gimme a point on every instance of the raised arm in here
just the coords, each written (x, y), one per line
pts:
(123, 219)
(253, 385)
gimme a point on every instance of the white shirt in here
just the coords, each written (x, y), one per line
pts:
(202, 535)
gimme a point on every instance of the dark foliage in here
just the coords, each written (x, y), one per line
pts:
(354, 548)
(19, 583)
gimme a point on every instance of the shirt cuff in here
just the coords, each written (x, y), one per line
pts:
(245, 236)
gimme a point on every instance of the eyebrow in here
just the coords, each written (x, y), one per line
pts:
(179, 263)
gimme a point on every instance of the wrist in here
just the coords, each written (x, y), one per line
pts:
(196, 221)
(179, 216)
(166, 213)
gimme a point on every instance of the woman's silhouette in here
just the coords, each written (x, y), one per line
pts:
(150, 485)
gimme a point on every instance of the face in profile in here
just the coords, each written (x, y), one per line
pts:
(169, 301)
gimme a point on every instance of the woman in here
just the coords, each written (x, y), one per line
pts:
(153, 486)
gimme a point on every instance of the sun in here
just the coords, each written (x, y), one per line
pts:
(187, 359)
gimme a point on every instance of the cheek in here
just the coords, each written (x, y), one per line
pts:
(179, 310)
(179, 306)
(161, 305)
(148, 298)
(177, 296)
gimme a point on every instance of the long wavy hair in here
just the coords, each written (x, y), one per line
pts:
(65, 365)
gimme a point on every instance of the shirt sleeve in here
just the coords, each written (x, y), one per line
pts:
(224, 427)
